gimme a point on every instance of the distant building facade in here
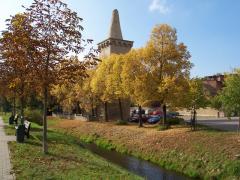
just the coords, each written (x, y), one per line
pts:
(213, 84)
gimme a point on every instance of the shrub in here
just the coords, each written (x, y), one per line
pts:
(163, 127)
(175, 120)
(120, 122)
(34, 115)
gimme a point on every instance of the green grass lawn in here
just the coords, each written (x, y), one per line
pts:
(5, 116)
(67, 159)
(9, 130)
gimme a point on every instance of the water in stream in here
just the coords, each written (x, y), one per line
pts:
(137, 166)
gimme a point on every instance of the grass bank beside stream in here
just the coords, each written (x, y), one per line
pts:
(205, 154)
(66, 158)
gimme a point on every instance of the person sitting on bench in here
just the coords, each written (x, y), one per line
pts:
(16, 119)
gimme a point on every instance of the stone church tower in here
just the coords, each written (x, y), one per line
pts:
(115, 44)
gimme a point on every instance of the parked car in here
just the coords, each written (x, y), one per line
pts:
(157, 111)
(135, 116)
(136, 111)
(153, 119)
(149, 111)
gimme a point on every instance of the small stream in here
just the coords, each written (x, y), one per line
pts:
(137, 166)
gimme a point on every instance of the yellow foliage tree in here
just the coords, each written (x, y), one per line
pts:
(159, 71)
(114, 81)
(107, 82)
(136, 78)
(169, 64)
(196, 98)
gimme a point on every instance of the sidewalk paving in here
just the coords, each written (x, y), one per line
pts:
(5, 165)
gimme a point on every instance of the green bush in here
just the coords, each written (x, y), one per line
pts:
(163, 127)
(175, 120)
(34, 115)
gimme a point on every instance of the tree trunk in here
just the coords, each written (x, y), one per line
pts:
(140, 116)
(77, 108)
(96, 113)
(14, 105)
(239, 124)
(45, 103)
(106, 111)
(194, 119)
(22, 109)
(93, 112)
(120, 108)
(45, 147)
(164, 114)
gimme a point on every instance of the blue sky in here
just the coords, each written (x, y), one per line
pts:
(210, 28)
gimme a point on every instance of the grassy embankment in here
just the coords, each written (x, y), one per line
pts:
(205, 154)
(66, 158)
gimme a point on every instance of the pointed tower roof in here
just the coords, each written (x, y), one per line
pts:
(114, 44)
(115, 28)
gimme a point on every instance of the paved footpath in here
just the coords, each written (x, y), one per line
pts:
(5, 166)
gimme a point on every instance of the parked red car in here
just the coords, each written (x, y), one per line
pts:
(156, 112)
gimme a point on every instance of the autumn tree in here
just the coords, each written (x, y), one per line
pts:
(15, 47)
(215, 102)
(169, 65)
(137, 80)
(107, 82)
(71, 96)
(159, 71)
(114, 81)
(230, 95)
(196, 98)
(65, 96)
(5, 101)
(58, 31)
(99, 86)
(85, 96)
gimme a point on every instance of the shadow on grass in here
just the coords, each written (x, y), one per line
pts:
(55, 138)
(65, 158)
(34, 129)
(203, 128)
(34, 143)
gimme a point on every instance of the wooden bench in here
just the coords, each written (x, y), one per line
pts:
(27, 127)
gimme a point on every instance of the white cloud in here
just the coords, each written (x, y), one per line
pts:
(159, 5)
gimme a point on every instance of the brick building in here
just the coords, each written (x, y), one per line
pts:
(213, 83)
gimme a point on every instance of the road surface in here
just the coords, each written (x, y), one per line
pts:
(218, 123)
